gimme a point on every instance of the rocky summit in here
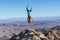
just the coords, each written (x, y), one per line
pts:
(30, 34)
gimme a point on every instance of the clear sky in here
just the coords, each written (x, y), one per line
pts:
(40, 8)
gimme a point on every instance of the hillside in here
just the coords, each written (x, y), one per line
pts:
(33, 35)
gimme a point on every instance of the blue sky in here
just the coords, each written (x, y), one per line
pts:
(40, 8)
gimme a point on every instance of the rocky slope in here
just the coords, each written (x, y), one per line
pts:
(54, 35)
(15, 33)
(29, 34)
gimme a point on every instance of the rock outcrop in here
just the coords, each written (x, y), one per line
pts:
(54, 35)
(29, 34)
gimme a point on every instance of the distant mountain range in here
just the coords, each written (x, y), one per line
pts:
(37, 21)
(34, 19)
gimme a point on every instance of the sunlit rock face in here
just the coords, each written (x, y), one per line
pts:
(29, 35)
(54, 35)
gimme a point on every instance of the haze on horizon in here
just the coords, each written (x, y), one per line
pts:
(17, 8)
